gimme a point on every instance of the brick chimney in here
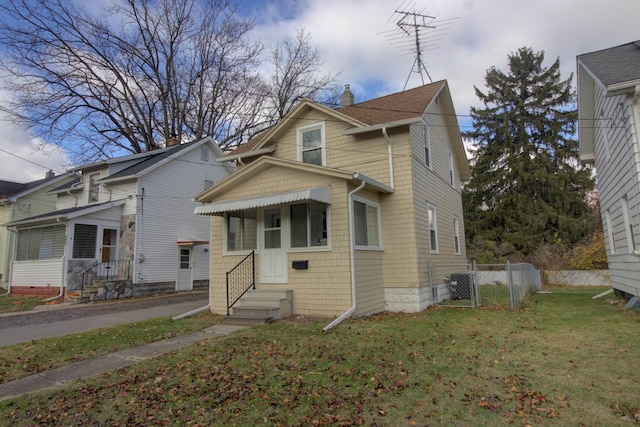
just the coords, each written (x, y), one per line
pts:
(347, 97)
(173, 140)
(50, 174)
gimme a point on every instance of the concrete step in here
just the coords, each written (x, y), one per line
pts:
(256, 311)
(239, 320)
(282, 300)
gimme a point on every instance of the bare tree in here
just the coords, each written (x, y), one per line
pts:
(131, 76)
(297, 75)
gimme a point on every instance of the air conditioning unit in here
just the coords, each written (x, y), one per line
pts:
(460, 285)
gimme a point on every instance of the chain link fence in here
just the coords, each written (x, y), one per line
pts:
(482, 285)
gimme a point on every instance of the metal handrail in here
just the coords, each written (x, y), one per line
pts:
(240, 274)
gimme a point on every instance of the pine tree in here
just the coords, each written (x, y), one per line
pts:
(527, 186)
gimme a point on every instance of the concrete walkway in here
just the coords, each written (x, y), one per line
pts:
(21, 334)
(64, 375)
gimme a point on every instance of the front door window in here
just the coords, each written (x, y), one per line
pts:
(272, 228)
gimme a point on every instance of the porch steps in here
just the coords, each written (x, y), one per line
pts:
(259, 307)
(88, 294)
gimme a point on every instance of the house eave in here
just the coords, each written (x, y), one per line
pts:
(53, 218)
(380, 126)
(247, 154)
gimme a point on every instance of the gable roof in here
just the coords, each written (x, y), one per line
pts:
(395, 107)
(148, 161)
(617, 71)
(67, 214)
(11, 191)
(615, 66)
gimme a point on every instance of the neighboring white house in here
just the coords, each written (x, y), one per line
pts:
(127, 218)
(609, 126)
(22, 200)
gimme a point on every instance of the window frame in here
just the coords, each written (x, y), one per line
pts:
(610, 235)
(204, 153)
(378, 235)
(225, 242)
(58, 243)
(452, 175)
(628, 226)
(326, 226)
(432, 212)
(456, 236)
(300, 131)
(93, 188)
(96, 241)
(426, 143)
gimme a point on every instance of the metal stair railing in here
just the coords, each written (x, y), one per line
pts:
(240, 279)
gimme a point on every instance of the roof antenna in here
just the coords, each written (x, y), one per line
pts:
(415, 32)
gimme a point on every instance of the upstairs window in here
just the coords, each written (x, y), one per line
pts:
(367, 224)
(456, 235)
(94, 188)
(204, 153)
(426, 142)
(308, 225)
(451, 169)
(312, 145)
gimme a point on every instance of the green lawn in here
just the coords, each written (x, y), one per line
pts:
(565, 359)
(10, 304)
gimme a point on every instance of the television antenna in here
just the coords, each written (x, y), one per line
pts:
(416, 31)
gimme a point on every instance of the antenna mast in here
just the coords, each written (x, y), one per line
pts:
(411, 32)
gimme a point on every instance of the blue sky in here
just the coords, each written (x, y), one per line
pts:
(350, 36)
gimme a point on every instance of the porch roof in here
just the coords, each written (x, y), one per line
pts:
(66, 214)
(318, 194)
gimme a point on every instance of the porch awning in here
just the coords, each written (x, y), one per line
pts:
(318, 194)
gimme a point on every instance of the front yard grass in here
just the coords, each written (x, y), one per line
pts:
(10, 304)
(30, 358)
(564, 359)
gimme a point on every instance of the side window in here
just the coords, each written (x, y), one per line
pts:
(94, 188)
(433, 228)
(456, 235)
(426, 141)
(312, 144)
(204, 153)
(612, 242)
(626, 215)
(451, 170)
(241, 231)
(367, 224)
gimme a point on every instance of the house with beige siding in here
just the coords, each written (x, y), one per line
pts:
(609, 137)
(124, 227)
(341, 211)
(22, 200)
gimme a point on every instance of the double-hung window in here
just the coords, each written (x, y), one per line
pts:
(312, 144)
(367, 224)
(241, 231)
(433, 228)
(426, 141)
(456, 235)
(308, 225)
(94, 188)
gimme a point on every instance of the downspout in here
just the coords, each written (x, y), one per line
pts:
(352, 254)
(15, 245)
(390, 152)
(64, 264)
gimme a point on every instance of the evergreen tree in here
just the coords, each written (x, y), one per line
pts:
(527, 187)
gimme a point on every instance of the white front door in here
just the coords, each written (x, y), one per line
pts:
(273, 255)
(185, 270)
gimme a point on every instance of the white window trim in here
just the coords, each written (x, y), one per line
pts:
(93, 177)
(325, 248)
(626, 216)
(432, 207)
(456, 235)
(225, 232)
(612, 243)
(426, 144)
(377, 206)
(452, 170)
(323, 141)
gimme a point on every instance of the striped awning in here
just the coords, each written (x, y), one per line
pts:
(318, 194)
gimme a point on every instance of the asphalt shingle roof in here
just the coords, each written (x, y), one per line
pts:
(614, 65)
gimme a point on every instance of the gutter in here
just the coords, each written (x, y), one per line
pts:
(352, 254)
